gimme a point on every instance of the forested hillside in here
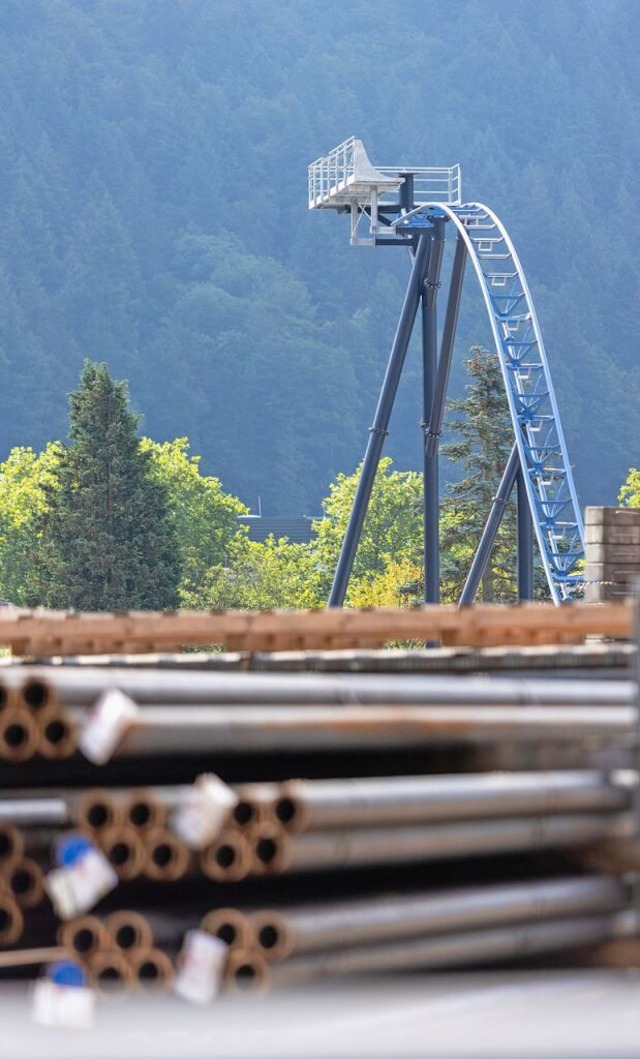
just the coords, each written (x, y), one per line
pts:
(153, 215)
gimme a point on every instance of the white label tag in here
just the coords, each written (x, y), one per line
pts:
(200, 818)
(63, 1005)
(75, 889)
(200, 967)
(105, 725)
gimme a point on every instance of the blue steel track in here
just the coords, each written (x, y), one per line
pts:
(541, 446)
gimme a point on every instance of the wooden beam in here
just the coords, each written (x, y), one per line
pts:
(44, 633)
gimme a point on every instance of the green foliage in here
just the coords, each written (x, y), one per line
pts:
(262, 576)
(629, 495)
(392, 529)
(204, 518)
(106, 540)
(27, 480)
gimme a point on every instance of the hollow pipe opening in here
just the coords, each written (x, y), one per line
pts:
(11, 922)
(21, 881)
(266, 850)
(36, 694)
(126, 936)
(245, 975)
(10, 843)
(162, 855)
(119, 854)
(15, 735)
(55, 732)
(98, 815)
(227, 932)
(286, 810)
(244, 813)
(225, 855)
(83, 940)
(268, 937)
(139, 814)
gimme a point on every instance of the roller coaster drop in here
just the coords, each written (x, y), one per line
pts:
(414, 208)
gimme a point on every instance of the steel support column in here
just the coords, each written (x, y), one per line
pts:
(491, 528)
(525, 541)
(378, 430)
(430, 372)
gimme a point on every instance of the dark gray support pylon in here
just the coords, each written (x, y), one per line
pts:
(431, 478)
(378, 430)
(525, 541)
(491, 528)
(433, 428)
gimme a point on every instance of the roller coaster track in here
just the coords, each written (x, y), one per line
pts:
(541, 446)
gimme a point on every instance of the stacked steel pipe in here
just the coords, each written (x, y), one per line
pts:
(380, 804)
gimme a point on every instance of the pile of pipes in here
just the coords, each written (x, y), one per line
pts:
(142, 809)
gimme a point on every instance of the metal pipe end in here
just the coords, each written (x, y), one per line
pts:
(230, 925)
(228, 859)
(270, 850)
(97, 809)
(166, 858)
(18, 735)
(26, 881)
(245, 972)
(274, 938)
(128, 930)
(152, 968)
(57, 734)
(84, 936)
(123, 848)
(11, 921)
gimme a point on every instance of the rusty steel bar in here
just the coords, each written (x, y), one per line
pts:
(282, 933)
(238, 729)
(308, 805)
(81, 686)
(277, 852)
(26, 957)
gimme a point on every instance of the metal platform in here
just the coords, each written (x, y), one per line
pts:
(345, 180)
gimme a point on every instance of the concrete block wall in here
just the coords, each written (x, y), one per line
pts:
(612, 552)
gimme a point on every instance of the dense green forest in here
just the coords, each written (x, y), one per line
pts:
(153, 216)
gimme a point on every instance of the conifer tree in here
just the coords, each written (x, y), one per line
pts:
(484, 441)
(107, 542)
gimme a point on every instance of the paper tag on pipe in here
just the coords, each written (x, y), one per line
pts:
(200, 967)
(62, 1005)
(105, 725)
(204, 812)
(75, 888)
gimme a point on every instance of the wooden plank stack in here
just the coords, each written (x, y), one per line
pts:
(612, 552)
